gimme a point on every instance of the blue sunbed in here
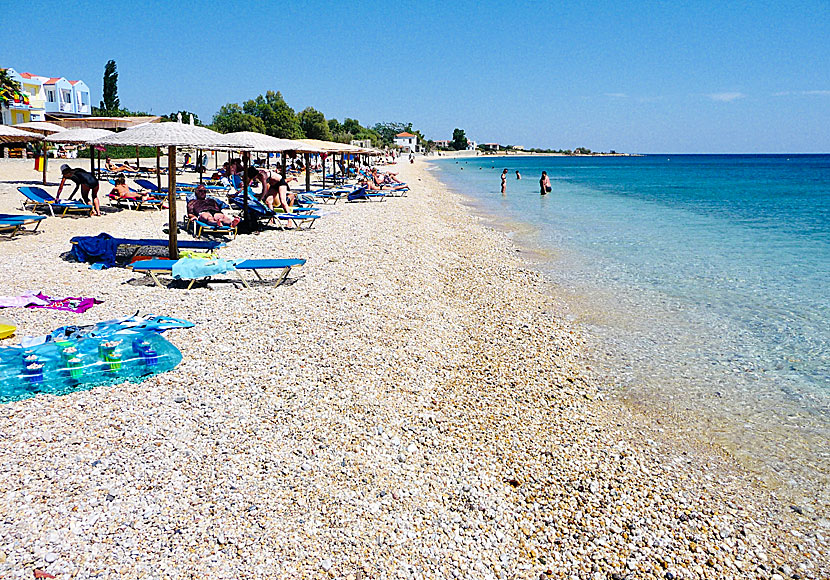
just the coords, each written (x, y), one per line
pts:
(37, 197)
(12, 223)
(163, 266)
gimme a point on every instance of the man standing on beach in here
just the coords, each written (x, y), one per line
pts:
(504, 181)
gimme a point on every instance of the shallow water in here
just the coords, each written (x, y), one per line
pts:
(704, 281)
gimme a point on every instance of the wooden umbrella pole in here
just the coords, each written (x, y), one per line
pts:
(173, 228)
(245, 182)
(158, 168)
(137, 162)
(284, 165)
(45, 157)
(199, 161)
(323, 160)
(307, 173)
(92, 158)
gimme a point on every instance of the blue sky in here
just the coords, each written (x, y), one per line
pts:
(638, 77)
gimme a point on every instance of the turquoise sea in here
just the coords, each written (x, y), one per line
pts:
(703, 284)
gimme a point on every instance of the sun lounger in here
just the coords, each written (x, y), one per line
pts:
(363, 194)
(37, 197)
(158, 266)
(148, 185)
(259, 210)
(140, 244)
(11, 224)
(200, 227)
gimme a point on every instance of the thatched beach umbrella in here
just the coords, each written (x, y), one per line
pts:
(10, 134)
(41, 127)
(82, 136)
(44, 128)
(170, 135)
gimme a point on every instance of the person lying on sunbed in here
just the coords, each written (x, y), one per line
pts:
(372, 186)
(207, 210)
(121, 191)
(117, 168)
(382, 179)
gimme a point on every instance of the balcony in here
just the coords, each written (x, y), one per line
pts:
(37, 103)
(83, 109)
(66, 107)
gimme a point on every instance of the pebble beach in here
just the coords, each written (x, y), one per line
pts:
(414, 402)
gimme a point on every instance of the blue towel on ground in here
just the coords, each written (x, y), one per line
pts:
(96, 249)
(195, 268)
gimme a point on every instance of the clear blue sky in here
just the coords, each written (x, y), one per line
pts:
(639, 77)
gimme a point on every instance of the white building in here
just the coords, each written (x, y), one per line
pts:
(41, 95)
(407, 142)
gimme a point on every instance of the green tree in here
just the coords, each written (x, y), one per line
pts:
(459, 140)
(352, 126)
(387, 131)
(278, 118)
(335, 127)
(231, 118)
(314, 125)
(110, 103)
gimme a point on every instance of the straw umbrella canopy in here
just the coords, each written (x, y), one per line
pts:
(41, 127)
(260, 142)
(81, 136)
(170, 135)
(78, 136)
(10, 134)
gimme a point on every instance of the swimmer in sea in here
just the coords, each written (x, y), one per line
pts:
(518, 175)
(544, 183)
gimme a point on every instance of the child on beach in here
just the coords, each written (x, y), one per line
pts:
(544, 183)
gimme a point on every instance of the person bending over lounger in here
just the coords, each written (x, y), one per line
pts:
(84, 180)
(207, 210)
(274, 188)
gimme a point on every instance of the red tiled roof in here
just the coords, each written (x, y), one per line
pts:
(26, 75)
(404, 135)
(74, 82)
(52, 81)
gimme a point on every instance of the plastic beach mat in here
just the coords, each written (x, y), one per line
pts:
(66, 366)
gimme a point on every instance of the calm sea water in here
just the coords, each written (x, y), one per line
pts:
(703, 282)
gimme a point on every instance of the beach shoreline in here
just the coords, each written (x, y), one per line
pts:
(413, 404)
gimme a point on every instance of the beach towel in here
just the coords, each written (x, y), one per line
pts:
(24, 299)
(193, 269)
(70, 304)
(95, 249)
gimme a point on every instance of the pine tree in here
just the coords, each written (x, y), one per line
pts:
(110, 102)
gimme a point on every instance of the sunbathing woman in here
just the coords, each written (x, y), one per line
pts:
(118, 168)
(121, 191)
